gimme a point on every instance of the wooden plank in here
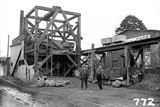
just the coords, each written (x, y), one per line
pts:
(68, 70)
(41, 63)
(50, 71)
(42, 19)
(30, 23)
(58, 31)
(44, 8)
(101, 57)
(71, 18)
(135, 60)
(30, 51)
(50, 30)
(71, 13)
(70, 34)
(71, 60)
(50, 22)
(84, 62)
(48, 15)
(32, 36)
(30, 12)
(16, 64)
(56, 45)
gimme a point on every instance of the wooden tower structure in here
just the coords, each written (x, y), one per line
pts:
(52, 40)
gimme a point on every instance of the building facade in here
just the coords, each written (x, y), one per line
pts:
(115, 59)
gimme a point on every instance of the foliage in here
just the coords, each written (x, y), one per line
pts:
(130, 22)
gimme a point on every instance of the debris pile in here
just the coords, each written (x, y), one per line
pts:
(150, 82)
(44, 82)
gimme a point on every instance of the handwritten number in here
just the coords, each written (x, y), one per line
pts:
(137, 100)
(151, 102)
(144, 101)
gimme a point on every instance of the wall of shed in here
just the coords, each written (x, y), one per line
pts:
(154, 59)
(1, 70)
(155, 56)
(116, 70)
(14, 51)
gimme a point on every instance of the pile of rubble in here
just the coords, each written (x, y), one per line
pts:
(150, 82)
(44, 82)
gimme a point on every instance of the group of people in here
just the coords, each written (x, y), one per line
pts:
(84, 75)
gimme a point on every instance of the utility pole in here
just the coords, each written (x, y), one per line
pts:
(8, 47)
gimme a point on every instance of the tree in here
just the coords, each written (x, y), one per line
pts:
(130, 22)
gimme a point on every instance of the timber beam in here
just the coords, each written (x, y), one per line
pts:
(71, 60)
(30, 12)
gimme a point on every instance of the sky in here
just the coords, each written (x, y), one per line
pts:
(99, 18)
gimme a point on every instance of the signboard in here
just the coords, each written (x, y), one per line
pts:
(138, 38)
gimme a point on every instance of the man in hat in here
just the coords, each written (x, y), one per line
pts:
(99, 72)
(84, 73)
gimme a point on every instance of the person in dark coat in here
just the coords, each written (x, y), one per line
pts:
(84, 76)
(99, 76)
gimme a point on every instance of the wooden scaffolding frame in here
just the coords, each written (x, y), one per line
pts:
(42, 28)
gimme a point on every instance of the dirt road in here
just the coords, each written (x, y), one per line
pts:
(17, 94)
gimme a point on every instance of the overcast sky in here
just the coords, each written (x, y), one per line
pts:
(99, 18)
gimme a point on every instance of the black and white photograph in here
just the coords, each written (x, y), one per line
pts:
(79, 53)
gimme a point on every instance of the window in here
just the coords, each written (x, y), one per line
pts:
(114, 59)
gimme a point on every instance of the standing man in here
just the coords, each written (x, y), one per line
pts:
(84, 76)
(99, 76)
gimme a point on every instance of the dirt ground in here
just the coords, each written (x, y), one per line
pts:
(72, 96)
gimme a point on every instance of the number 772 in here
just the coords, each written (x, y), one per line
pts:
(150, 103)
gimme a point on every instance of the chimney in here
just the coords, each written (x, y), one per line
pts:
(21, 22)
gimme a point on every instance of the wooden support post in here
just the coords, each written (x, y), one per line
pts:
(79, 39)
(126, 63)
(52, 50)
(70, 58)
(92, 64)
(36, 44)
(69, 70)
(47, 49)
(104, 61)
(142, 59)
